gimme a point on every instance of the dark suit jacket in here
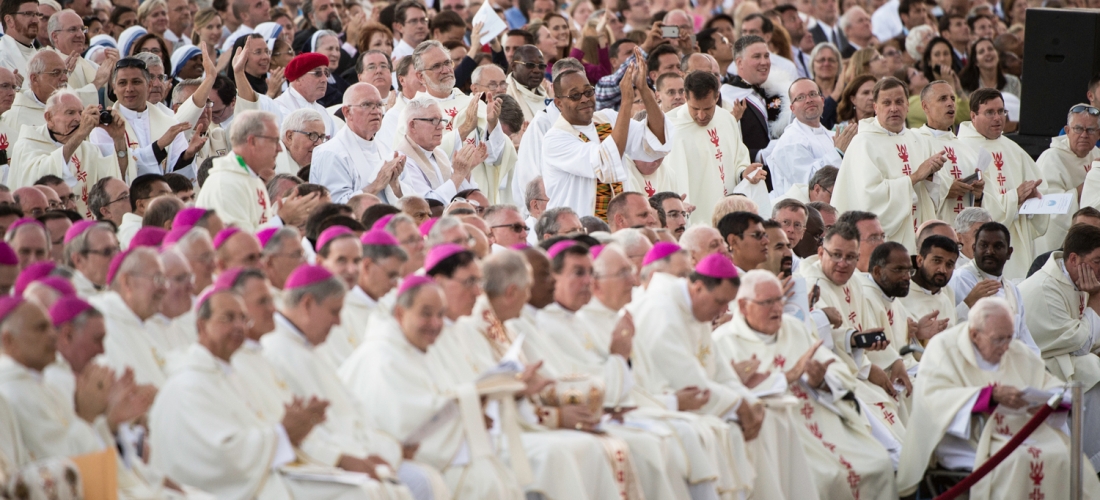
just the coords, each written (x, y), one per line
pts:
(819, 36)
(754, 133)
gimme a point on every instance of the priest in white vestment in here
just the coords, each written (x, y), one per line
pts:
(1013, 179)
(17, 46)
(969, 404)
(776, 353)
(1063, 301)
(673, 350)
(526, 82)
(890, 170)
(707, 158)
(50, 150)
(430, 171)
(236, 188)
(1064, 166)
(392, 366)
(938, 102)
(311, 307)
(805, 146)
(583, 158)
(929, 291)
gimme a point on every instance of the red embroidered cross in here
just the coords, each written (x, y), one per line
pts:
(779, 361)
(955, 172)
(958, 207)
(905, 169)
(798, 393)
(807, 410)
(853, 481)
(852, 316)
(649, 191)
(1036, 494)
(1036, 473)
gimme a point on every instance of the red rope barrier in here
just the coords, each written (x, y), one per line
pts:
(1002, 454)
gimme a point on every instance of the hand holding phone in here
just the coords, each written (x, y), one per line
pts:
(863, 340)
(670, 31)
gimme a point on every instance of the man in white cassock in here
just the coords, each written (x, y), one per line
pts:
(267, 393)
(707, 159)
(708, 458)
(582, 154)
(379, 272)
(1012, 179)
(982, 277)
(673, 350)
(938, 102)
(970, 403)
(393, 366)
(1064, 166)
(430, 171)
(1063, 301)
(355, 160)
(311, 307)
(474, 341)
(567, 345)
(60, 147)
(839, 313)
(216, 438)
(138, 286)
(805, 146)
(775, 352)
(881, 173)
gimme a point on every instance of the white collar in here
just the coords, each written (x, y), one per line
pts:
(940, 133)
(1062, 266)
(363, 143)
(130, 114)
(984, 365)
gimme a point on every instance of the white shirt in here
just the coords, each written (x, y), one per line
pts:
(291, 101)
(400, 50)
(963, 281)
(348, 163)
(798, 153)
(885, 21)
(419, 185)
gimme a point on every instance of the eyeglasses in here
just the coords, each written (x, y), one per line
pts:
(312, 136)
(1084, 108)
(675, 214)
(530, 65)
(56, 73)
(588, 92)
(416, 20)
(295, 256)
(440, 66)
(376, 67)
(768, 303)
(759, 235)
(875, 238)
(31, 13)
(10, 87)
(412, 241)
(811, 95)
(1077, 129)
(160, 78)
(151, 50)
(320, 72)
(990, 113)
(837, 256)
(376, 105)
(158, 279)
(231, 318)
(124, 196)
(74, 30)
(435, 122)
(106, 252)
(517, 227)
(622, 274)
(911, 271)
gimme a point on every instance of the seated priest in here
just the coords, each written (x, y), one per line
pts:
(778, 353)
(970, 400)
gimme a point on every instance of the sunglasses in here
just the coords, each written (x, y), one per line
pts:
(130, 62)
(1084, 108)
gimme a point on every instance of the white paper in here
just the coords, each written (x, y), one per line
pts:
(776, 383)
(983, 161)
(324, 474)
(1055, 203)
(1036, 397)
(491, 24)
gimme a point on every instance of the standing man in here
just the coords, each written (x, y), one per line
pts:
(179, 24)
(708, 155)
(826, 30)
(805, 146)
(526, 80)
(938, 101)
(764, 118)
(1065, 165)
(1012, 166)
(410, 25)
(21, 25)
(878, 173)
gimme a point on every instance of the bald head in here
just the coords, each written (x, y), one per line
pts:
(31, 201)
(701, 241)
(39, 68)
(363, 121)
(701, 62)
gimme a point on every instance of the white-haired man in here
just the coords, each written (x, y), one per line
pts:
(431, 172)
(966, 224)
(45, 74)
(354, 160)
(235, 188)
(303, 130)
(69, 37)
(1064, 166)
(534, 198)
(978, 373)
(768, 348)
(60, 147)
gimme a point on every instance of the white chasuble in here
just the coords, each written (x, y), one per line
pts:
(128, 343)
(344, 338)
(1062, 171)
(1011, 166)
(874, 177)
(846, 460)
(387, 368)
(961, 163)
(706, 162)
(464, 352)
(921, 301)
(673, 350)
(531, 102)
(948, 384)
(48, 424)
(237, 194)
(37, 155)
(581, 165)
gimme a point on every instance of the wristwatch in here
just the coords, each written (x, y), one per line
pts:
(121, 153)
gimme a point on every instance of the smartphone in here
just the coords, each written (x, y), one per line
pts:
(972, 178)
(867, 339)
(670, 31)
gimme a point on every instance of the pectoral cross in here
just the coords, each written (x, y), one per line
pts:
(704, 351)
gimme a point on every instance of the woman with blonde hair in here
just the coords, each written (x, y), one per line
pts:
(207, 28)
(153, 15)
(868, 61)
(562, 34)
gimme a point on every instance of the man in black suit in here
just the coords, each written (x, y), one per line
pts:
(753, 61)
(826, 29)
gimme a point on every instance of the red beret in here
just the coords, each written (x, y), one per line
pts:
(304, 63)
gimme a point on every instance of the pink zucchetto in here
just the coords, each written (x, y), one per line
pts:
(59, 284)
(265, 234)
(210, 292)
(412, 282)
(188, 217)
(8, 305)
(32, 273)
(379, 238)
(381, 223)
(7, 255)
(331, 234)
(659, 251)
(596, 250)
(306, 275)
(116, 263)
(67, 308)
(559, 246)
(226, 279)
(520, 246)
(176, 234)
(426, 226)
(440, 253)
(716, 266)
(224, 236)
(23, 222)
(78, 229)
(149, 236)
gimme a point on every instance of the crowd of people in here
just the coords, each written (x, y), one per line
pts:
(652, 249)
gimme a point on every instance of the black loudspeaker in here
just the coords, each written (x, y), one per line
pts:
(1061, 55)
